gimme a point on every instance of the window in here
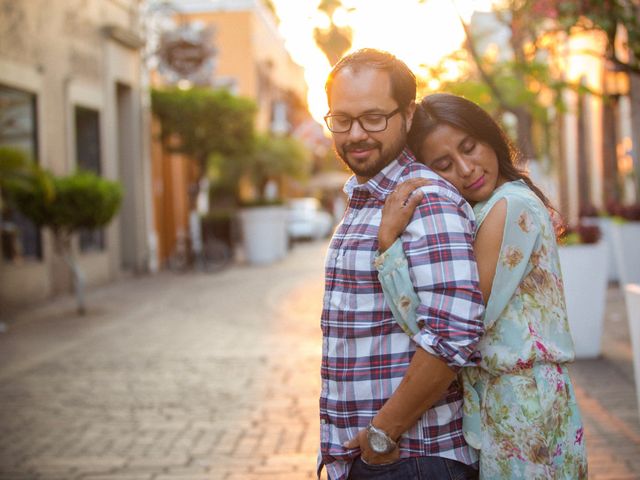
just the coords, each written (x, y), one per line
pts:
(21, 238)
(87, 127)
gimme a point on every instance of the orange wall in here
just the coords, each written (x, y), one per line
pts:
(232, 39)
(244, 41)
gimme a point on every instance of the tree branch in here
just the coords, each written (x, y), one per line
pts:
(486, 76)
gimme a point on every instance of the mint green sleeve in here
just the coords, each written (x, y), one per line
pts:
(393, 273)
(520, 237)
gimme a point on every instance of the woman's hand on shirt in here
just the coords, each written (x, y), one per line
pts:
(398, 210)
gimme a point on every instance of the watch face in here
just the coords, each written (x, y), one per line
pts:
(378, 442)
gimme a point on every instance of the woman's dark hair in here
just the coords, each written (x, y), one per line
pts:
(403, 81)
(444, 108)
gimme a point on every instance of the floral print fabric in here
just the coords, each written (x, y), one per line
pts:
(519, 406)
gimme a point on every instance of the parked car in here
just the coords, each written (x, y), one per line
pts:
(307, 219)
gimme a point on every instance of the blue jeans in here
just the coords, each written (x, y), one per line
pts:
(413, 468)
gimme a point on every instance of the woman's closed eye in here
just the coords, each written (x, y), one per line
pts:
(469, 146)
(441, 165)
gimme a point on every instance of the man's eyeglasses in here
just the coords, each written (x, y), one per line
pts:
(370, 122)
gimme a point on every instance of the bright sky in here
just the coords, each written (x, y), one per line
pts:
(418, 33)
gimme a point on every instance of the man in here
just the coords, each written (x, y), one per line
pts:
(390, 406)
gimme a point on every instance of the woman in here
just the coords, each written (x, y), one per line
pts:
(519, 406)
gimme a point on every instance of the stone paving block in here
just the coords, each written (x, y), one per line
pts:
(171, 476)
(76, 462)
(117, 476)
(158, 462)
(9, 475)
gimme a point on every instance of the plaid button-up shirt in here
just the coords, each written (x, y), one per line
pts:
(365, 353)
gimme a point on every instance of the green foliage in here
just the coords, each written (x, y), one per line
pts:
(581, 234)
(261, 202)
(80, 201)
(17, 171)
(217, 129)
(269, 158)
(13, 163)
(224, 173)
(200, 122)
(275, 156)
(521, 78)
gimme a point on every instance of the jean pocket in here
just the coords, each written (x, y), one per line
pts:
(379, 471)
(460, 471)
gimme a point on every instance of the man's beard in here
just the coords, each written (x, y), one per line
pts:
(386, 155)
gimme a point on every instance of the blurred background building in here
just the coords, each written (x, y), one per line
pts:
(76, 78)
(235, 45)
(72, 97)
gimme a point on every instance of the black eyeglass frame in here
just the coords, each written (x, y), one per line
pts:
(386, 116)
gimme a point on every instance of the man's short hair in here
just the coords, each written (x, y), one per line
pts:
(403, 81)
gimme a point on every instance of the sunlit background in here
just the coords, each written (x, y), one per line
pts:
(204, 107)
(142, 138)
(418, 33)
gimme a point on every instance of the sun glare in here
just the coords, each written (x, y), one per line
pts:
(420, 33)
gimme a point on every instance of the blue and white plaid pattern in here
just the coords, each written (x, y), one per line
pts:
(365, 352)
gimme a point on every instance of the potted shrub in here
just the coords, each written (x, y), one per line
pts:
(263, 216)
(264, 231)
(214, 129)
(583, 260)
(67, 205)
(626, 241)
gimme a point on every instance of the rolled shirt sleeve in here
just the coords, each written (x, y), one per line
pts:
(431, 283)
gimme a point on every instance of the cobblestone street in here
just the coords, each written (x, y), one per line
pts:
(195, 376)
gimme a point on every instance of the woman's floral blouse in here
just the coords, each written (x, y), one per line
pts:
(519, 407)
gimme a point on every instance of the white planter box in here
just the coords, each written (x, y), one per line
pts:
(264, 233)
(632, 294)
(584, 274)
(626, 241)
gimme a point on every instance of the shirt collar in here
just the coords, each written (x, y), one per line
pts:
(383, 183)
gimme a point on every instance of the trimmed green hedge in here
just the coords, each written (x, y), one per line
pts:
(82, 200)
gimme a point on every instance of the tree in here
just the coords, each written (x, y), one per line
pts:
(201, 123)
(334, 40)
(274, 157)
(16, 169)
(521, 83)
(75, 202)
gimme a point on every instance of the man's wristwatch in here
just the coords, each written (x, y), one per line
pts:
(379, 441)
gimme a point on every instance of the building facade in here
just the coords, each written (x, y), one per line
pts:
(232, 44)
(72, 97)
(249, 57)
